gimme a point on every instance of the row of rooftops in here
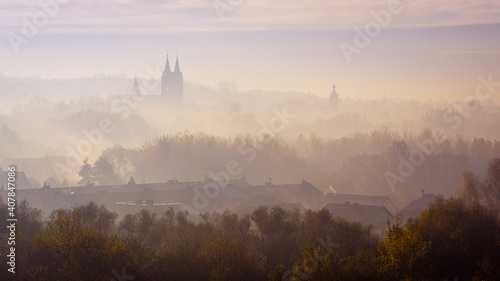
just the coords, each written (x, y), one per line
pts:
(237, 196)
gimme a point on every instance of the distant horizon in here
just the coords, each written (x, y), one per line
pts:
(408, 58)
(393, 98)
(436, 100)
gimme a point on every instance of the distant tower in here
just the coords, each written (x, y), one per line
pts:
(172, 83)
(135, 90)
(165, 78)
(334, 98)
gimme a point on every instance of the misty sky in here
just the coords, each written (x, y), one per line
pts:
(429, 50)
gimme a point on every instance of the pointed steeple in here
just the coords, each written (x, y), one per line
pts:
(167, 65)
(177, 68)
(135, 89)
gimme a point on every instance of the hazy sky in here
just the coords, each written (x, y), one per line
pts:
(428, 50)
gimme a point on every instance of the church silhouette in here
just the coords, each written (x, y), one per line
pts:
(172, 82)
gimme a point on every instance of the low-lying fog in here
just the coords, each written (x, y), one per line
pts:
(48, 129)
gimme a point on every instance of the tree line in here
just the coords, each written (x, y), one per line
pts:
(355, 164)
(458, 237)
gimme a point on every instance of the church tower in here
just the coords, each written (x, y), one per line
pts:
(172, 83)
(136, 90)
(165, 78)
(334, 98)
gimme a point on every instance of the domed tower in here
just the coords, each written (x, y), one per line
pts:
(334, 98)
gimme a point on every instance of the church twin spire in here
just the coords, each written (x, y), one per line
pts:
(172, 82)
(177, 67)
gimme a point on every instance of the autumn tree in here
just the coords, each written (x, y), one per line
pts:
(469, 188)
(277, 230)
(463, 242)
(76, 244)
(29, 222)
(103, 172)
(491, 187)
(314, 264)
(224, 258)
(85, 172)
(403, 253)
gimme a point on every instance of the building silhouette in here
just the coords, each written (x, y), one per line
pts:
(334, 98)
(172, 83)
(135, 89)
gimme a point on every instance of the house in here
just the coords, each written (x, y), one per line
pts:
(266, 201)
(21, 181)
(38, 168)
(416, 206)
(157, 198)
(369, 200)
(304, 193)
(377, 216)
(234, 194)
(194, 197)
(43, 199)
